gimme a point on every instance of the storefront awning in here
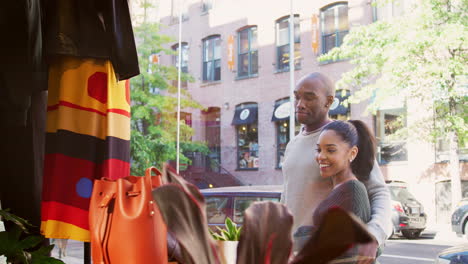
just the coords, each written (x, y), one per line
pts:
(337, 107)
(244, 115)
(282, 110)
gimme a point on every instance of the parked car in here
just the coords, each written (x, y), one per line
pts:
(408, 215)
(232, 201)
(453, 255)
(460, 218)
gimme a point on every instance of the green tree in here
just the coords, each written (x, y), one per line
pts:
(422, 58)
(154, 104)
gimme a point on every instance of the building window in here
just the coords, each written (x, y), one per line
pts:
(245, 120)
(206, 6)
(176, 8)
(212, 59)
(282, 43)
(247, 52)
(184, 65)
(386, 11)
(390, 148)
(334, 25)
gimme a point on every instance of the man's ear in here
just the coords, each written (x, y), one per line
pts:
(330, 99)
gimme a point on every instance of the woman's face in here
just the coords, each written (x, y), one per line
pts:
(333, 154)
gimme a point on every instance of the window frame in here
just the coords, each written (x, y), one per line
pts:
(250, 73)
(336, 32)
(214, 61)
(283, 67)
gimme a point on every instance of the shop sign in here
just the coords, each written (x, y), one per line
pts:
(244, 114)
(335, 104)
(283, 110)
(315, 33)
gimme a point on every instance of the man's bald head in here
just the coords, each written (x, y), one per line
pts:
(314, 95)
(327, 83)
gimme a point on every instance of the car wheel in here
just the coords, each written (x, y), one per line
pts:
(465, 229)
(411, 234)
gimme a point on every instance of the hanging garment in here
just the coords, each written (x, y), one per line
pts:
(88, 137)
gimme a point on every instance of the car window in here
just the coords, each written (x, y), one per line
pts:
(242, 203)
(216, 209)
(400, 194)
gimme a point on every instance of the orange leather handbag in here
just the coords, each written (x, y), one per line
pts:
(125, 223)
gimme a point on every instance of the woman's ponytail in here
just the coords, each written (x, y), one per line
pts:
(364, 162)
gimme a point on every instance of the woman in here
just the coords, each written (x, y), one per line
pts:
(345, 154)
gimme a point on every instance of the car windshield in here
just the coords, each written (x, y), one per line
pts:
(401, 194)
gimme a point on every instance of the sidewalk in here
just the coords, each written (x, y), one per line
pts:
(74, 252)
(444, 234)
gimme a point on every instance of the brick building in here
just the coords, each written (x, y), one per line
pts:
(238, 53)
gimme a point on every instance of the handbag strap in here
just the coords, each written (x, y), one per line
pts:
(153, 181)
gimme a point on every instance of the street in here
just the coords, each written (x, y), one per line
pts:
(423, 250)
(398, 250)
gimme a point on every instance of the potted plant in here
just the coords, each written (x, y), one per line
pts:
(228, 239)
(19, 245)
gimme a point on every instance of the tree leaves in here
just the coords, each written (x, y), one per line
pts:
(154, 102)
(420, 57)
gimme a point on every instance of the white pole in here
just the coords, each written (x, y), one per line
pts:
(178, 86)
(292, 124)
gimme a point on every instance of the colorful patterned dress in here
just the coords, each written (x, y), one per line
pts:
(87, 137)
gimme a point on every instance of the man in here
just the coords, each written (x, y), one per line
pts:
(304, 189)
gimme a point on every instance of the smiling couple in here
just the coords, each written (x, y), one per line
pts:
(332, 164)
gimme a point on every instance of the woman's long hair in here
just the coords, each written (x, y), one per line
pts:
(356, 133)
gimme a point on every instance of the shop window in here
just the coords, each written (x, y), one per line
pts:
(281, 118)
(212, 59)
(390, 148)
(282, 43)
(184, 65)
(334, 25)
(247, 141)
(245, 120)
(247, 57)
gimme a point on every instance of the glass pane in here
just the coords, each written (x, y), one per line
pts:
(243, 65)
(248, 146)
(207, 54)
(253, 38)
(341, 36)
(282, 140)
(283, 33)
(217, 70)
(297, 30)
(283, 57)
(216, 209)
(343, 18)
(217, 48)
(208, 71)
(329, 42)
(328, 21)
(240, 205)
(244, 41)
(184, 55)
(254, 62)
(297, 54)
